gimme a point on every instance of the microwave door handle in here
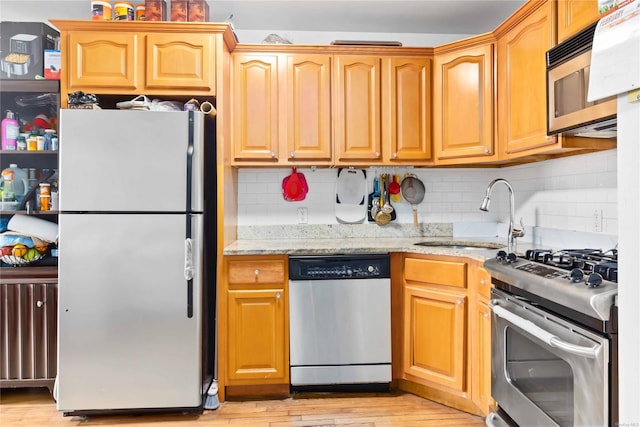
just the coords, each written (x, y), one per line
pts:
(538, 332)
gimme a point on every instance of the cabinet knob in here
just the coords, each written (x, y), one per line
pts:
(458, 302)
(292, 154)
(39, 304)
(256, 272)
(278, 295)
(394, 155)
(377, 154)
(485, 315)
(483, 281)
(273, 154)
(486, 150)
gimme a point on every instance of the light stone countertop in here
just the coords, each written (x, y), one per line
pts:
(365, 245)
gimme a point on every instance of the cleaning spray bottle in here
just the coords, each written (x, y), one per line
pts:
(10, 131)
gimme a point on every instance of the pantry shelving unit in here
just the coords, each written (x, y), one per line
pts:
(29, 294)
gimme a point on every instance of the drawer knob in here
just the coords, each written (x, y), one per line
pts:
(278, 295)
(39, 304)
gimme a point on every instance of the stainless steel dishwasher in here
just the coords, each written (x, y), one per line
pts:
(340, 323)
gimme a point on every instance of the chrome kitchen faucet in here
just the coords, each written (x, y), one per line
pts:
(513, 232)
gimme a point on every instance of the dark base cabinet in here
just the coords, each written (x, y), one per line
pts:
(28, 327)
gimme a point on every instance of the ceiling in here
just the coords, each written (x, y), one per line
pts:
(369, 16)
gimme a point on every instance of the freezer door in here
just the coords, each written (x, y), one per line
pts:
(129, 161)
(126, 339)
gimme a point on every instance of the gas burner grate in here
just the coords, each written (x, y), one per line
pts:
(587, 260)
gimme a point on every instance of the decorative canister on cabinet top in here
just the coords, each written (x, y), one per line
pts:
(101, 10)
(123, 11)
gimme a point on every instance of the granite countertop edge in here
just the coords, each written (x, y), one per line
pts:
(335, 246)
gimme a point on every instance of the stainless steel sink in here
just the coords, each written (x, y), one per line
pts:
(462, 245)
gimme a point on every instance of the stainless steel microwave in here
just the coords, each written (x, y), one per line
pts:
(568, 111)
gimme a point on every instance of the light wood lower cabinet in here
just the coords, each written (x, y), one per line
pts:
(434, 335)
(256, 335)
(446, 331)
(254, 322)
(480, 328)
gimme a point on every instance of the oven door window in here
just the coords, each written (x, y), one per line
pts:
(544, 378)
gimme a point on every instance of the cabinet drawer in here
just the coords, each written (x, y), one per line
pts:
(484, 283)
(257, 271)
(447, 273)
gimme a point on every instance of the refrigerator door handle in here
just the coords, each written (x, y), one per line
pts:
(188, 259)
(188, 274)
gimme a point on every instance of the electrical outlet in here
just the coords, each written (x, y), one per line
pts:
(597, 220)
(302, 215)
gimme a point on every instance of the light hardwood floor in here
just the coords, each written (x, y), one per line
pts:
(35, 408)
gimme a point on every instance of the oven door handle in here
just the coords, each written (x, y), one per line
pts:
(547, 337)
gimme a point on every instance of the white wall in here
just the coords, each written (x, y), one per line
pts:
(561, 194)
(43, 10)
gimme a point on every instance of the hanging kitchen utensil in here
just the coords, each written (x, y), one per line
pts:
(382, 218)
(294, 187)
(386, 207)
(394, 189)
(351, 196)
(373, 201)
(413, 192)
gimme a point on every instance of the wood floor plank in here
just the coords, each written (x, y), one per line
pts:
(35, 408)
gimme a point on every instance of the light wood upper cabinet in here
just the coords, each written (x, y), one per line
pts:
(406, 110)
(522, 96)
(281, 109)
(104, 60)
(255, 101)
(574, 16)
(356, 108)
(308, 108)
(180, 63)
(464, 107)
(129, 58)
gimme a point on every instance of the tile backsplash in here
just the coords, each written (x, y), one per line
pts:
(576, 193)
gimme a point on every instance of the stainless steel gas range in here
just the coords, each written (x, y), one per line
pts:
(554, 338)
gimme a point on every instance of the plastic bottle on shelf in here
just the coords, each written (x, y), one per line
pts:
(10, 131)
(18, 179)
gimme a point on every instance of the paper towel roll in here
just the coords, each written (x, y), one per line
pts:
(32, 226)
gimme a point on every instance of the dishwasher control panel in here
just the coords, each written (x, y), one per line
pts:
(314, 267)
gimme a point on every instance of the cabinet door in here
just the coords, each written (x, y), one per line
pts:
(481, 356)
(255, 108)
(28, 331)
(257, 340)
(434, 328)
(406, 108)
(308, 107)
(522, 107)
(463, 119)
(181, 62)
(356, 112)
(575, 15)
(104, 60)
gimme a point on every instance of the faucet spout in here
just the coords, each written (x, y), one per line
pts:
(513, 232)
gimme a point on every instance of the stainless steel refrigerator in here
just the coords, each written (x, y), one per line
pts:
(131, 287)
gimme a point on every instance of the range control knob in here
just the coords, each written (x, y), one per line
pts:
(576, 275)
(501, 256)
(511, 257)
(371, 269)
(594, 280)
